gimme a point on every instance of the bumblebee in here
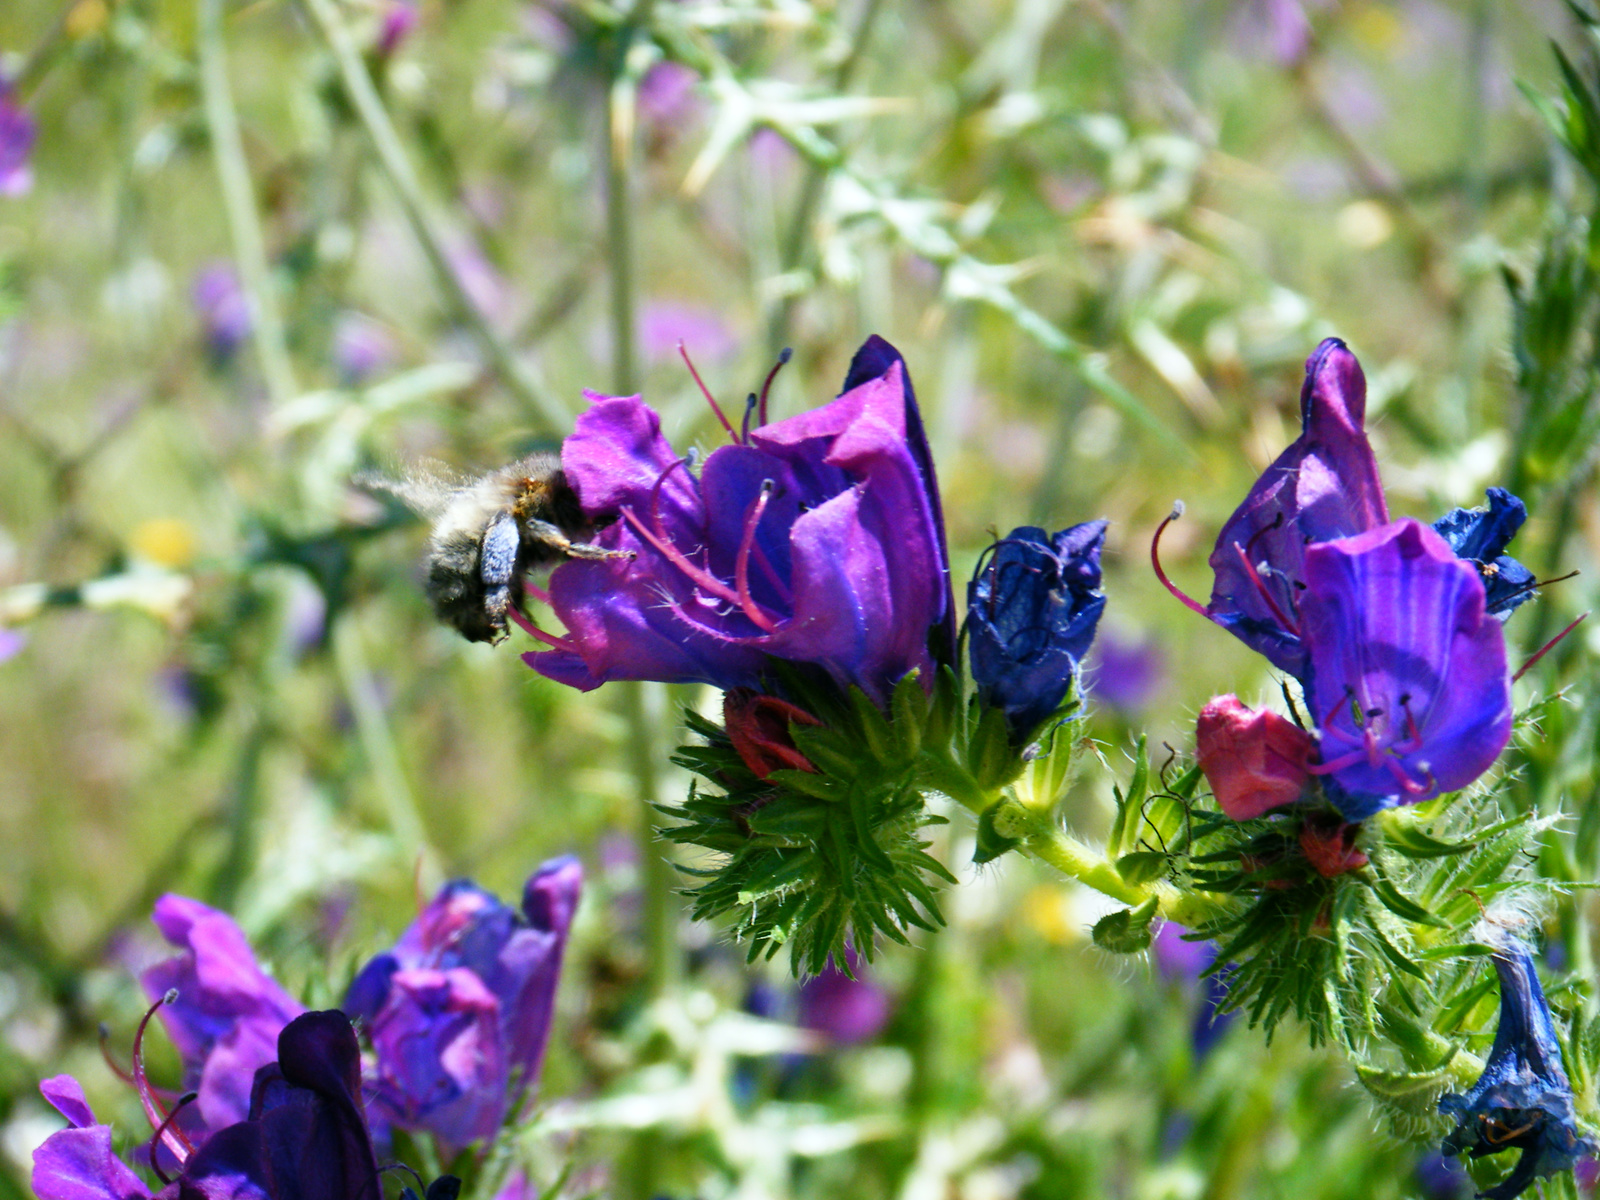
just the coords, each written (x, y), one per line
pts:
(489, 532)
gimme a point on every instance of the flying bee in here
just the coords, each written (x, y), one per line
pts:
(489, 532)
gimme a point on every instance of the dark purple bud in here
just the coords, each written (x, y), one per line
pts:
(1523, 1100)
(228, 1013)
(1324, 486)
(1408, 683)
(816, 539)
(17, 133)
(1442, 1178)
(1481, 535)
(1032, 608)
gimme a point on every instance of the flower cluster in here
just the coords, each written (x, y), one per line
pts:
(1392, 628)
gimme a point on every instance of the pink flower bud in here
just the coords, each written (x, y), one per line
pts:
(1254, 761)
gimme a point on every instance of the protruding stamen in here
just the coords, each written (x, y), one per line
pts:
(784, 356)
(528, 627)
(1548, 646)
(1155, 561)
(184, 1101)
(538, 593)
(117, 1068)
(741, 567)
(1266, 596)
(173, 1139)
(706, 392)
(750, 403)
(1534, 584)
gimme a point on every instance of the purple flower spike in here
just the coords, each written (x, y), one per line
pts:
(228, 1014)
(17, 133)
(460, 1010)
(817, 539)
(1523, 1100)
(1480, 536)
(1324, 486)
(1408, 680)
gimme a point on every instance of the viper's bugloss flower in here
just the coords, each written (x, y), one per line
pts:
(817, 539)
(1324, 486)
(1254, 760)
(304, 1138)
(1480, 535)
(844, 1009)
(1032, 608)
(17, 134)
(228, 1013)
(1407, 675)
(1523, 1100)
(223, 309)
(459, 1011)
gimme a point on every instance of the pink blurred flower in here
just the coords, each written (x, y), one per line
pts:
(701, 329)
(17, 134)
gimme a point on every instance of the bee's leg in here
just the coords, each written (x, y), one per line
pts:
(497, 567)
(551, 536)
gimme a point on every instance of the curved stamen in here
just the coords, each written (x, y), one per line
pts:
(172, 1138)
(1548, 646)
(706, 392)
(1534, 583)
(1266, 596)
(741, 565)
(750, 403)
(117, 1068)
(1155, 561)
(528, 627)
(706, 581)
(784, 356)
(184, 1101)
(538, 593)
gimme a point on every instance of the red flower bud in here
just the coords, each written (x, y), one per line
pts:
(1254, 761)
(758, 725)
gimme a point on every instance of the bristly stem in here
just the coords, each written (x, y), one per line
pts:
(239, 204)
(514, 373)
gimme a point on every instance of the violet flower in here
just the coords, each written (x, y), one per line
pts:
(17, 134)
(304, 1138)
(460, 1010)
(223, 308)
(1408, 682)
(845, 1010)
(1124, 673)
(1523, 1100)
(1185, 962)
(1032, 608)
(228, 1013)
(1480, 536)
(362, 348)
(817, 539)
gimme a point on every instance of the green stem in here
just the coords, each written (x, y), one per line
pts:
(1076, 861)
(239, 204)
(515, 374)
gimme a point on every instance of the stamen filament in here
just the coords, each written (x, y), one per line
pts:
(537, 592)
(741, 567)
(784, 356)
(1549, 646)
(527, 626)
(1155, 561)
(706, 392)
(174, 1139)
(161, 1131)
(1261, 587)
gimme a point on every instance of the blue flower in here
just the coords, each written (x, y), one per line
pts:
(1032, 608)
(1523, 1100)
(1480, 536)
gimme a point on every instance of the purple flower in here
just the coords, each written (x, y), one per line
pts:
(17, 133)
(1186, 963)
(1126, 674)
(1032, 608)
(1480, 535)
(843, 1009)
(701, 329)
(1274, 29)
(223, 308)
(667, 95)
(362, 348)
(817, 539)
(228, 1014)
(1408, 682)
(1523, 1100)
(460, 1010)
(400, 17)
(305, 1136)
(12, 642)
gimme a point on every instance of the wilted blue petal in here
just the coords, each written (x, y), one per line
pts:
(1480, 535)
(1032, 608)
(1409, 688)
(1523, 1100)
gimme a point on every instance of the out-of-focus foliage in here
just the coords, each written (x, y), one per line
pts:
(265, 249)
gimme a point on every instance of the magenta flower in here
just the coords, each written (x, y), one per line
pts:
(305, 1136)
(459, 1012)
(223, 308)
(1407, 679)
(228, 1014)
(842, 1009)
(17, 134)
(817, 539)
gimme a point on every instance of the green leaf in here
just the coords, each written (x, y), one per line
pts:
(1142, 866)
(1400, 906)
(1407, 1093)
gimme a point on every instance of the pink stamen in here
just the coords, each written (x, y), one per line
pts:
(538, 593)
(783, 356)
(1155, 561)
(706, 392)
(1404, 780)
(1549, 646)
(527, 626)
(1261, 587)
(173, 1139)
(161, 1131)
(1338, 764)
(741, 567)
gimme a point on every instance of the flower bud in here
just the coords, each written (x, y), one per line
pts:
(1253, 760)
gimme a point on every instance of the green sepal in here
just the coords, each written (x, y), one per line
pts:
(1142, 866)
(1408, 1095)
(1127, 931)
(1002, 827)
(991, 760)
(1125, 826)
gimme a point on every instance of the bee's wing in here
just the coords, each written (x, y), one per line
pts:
(426, 486)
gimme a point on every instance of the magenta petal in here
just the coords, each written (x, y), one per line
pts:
(1395, 625)
(615, 457)
(1324, 486)
(65, 1095)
